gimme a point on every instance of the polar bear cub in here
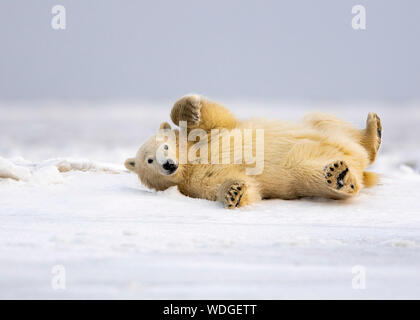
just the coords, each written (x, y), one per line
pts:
(321, 156)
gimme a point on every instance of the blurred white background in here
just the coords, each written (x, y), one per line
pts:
(154, 50)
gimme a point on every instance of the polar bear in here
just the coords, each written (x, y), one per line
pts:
(321, 156)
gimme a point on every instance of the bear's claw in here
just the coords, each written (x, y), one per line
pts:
(339, 177)
(234, 195)
(187, 109)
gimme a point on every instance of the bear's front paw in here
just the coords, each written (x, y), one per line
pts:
(187, 109)
(234, 195)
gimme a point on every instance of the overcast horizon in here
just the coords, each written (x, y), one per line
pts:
(236, 50)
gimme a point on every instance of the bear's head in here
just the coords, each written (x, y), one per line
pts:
(156, 162)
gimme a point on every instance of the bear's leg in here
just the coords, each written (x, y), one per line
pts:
(238, 193)
(369, 138)
(331, 125)
(199, 112)
(372, 136)
(337, 179)
(340, 179)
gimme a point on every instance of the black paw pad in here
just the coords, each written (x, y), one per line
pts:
(341, 176)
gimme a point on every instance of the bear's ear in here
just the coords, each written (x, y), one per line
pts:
(130, 164)
(165, 125)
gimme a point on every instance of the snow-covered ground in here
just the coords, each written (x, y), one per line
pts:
(75, 206)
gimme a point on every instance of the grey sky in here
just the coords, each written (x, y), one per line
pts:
(233, 49)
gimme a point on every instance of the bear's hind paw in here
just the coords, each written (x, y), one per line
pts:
(373, 136)
(375, 126)
(339, 178)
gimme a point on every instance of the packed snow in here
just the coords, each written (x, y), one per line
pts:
(70, 211)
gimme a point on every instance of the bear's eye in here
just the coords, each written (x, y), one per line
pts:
(149, 160)
(165, 147)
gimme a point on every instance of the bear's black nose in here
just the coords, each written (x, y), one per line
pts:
(170, 166)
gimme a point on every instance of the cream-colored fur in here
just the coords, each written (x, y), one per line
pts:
(321, 156)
